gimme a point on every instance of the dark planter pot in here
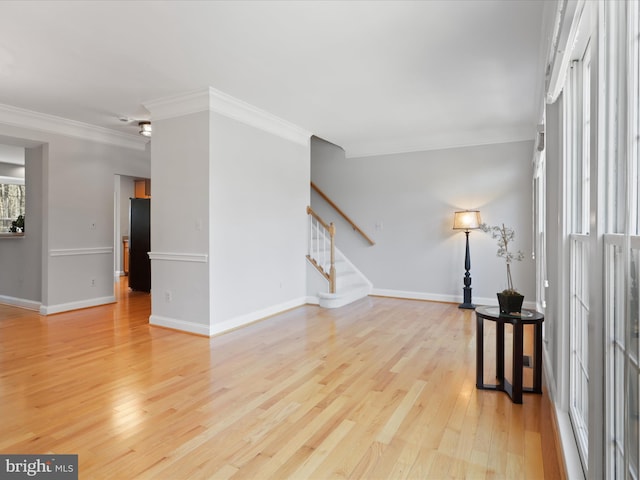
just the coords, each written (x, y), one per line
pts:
(510, 303)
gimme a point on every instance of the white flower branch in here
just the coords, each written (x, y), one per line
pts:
(504, 235)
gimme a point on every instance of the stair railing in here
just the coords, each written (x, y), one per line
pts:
(322, 247)
(344, 215)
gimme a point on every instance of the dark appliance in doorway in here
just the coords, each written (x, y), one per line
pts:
(140, 244)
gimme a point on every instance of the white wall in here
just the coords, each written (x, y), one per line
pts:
(259, 195)
(77, 214)
(405, 202)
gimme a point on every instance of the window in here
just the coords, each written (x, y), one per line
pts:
(577, 137)
(599, 215)
(577, 158)
(12, 204)
(622, 241)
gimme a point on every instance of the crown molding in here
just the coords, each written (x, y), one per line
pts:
(43, 122)
(178, 105)
(219, 102)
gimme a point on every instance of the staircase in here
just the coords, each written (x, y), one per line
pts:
(351, 284)
(346, 283)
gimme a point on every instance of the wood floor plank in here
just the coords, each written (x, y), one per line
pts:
(382, 388)
(391, 427)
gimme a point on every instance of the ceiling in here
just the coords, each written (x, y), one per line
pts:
(371, 76)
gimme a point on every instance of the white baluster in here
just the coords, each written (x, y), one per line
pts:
(310, 245)
(324, 249)
(315, 251)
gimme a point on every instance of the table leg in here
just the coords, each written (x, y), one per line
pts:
(516, 363)
(537, 358)
(500, 351)
(479, 352)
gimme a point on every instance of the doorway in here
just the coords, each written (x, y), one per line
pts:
(125, 188)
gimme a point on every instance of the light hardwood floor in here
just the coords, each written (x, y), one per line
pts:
(380, 389)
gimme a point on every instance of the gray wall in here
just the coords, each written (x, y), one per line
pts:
(13, 154)
(229, 223)
(77, 204)
(180, 222)
(259, 194)
(125, 190)
(11, 170)
(553, 325)
(21, 257)
(405, 202)
(80, 203)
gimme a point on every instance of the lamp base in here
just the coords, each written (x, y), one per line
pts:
(466, 294)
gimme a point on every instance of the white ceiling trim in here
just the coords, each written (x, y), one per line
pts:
(178, 105)
(20, 117)
(443, 141)
(219, 102)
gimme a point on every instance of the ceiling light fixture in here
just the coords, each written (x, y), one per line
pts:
(145, 128)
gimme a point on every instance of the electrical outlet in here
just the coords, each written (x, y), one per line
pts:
(93, 282)
(168, 296)
(92, 225)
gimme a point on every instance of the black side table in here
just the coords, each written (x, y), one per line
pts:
(527, 317)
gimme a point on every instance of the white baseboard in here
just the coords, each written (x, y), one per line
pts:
(437, 297)
(549, 378)
(571, 457)
(434, 297)
(312, 300)
(182, 325)
(227, 325)
(20, 302)
(232, 324)
(65, 307)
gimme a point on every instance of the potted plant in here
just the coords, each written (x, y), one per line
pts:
(17, 226)
(509, 300)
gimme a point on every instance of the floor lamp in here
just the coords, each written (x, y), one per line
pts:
(467, 220)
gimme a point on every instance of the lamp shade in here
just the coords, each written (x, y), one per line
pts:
(466, 220)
